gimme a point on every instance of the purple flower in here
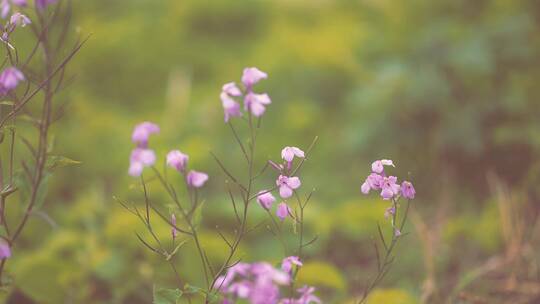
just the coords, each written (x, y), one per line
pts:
(5, 250)
(19, 19)
(283, 210)
(257, 283)
(196, 179)
(251, 76)
(177, 160)
(389, 187)
(265, 199)
(373, 182)
(265, 271)
(5, 6)
(378, 165)
(42, 4)
(231, 108)
(255, 103)
(288, 153)
(174, 232)
(288, 262)
(287, 185)
(407, 190)
(9, 79)
(139, 159)
(307, 296)
(142, 132)
(231, 89)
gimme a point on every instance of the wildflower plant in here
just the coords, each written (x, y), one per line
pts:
(391, 191)
(234, 279)
(30, 82)
(259, 282)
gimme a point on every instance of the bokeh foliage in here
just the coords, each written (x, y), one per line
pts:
(448, 89)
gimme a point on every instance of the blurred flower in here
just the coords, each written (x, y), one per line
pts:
(19, 19)
(9, 79)
(196, 179)
(5, 6)
(378, 165)
(41, 4)
(257, 283)
(255, 103)
(283, 210)
(231, 108)
(251, 76)
(142, 132)
(174, 232)
(231, 89)
(287, 185)
(265, 199)
(390, 211)
(177, 160)
(139, 159)
(389, 187)
(407, 190)
(288, 262)
(288, 153)
(307, 296)
(5, 250)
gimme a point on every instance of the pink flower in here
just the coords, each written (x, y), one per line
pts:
(174, 232)
(407, 190)
(139, 159)
(231, 108)
(287, 185)
(307, 296)
(5, 250)
(288, 262)
(251, 76)
(142, 132)
(177, 160)
(231, 89)
(378, 165)
(389, 187)
(196, 179)
(9, 79)
(373, 182)
(255, 103)
(288, 153)
(283, 211)
(265, 199)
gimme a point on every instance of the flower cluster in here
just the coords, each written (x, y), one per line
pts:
(285, 183)
(253, 102)
(142, 156)
(388, 185)
(260, 283)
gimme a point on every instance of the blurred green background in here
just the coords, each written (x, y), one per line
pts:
(447, 89)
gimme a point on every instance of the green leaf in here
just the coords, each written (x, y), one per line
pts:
(190, 289)
(166, 296)
(57, 161)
